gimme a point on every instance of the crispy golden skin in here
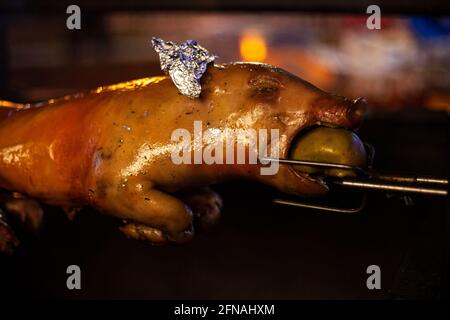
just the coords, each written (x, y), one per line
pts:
(110, 148)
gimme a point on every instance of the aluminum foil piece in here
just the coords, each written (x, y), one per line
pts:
(185, 63)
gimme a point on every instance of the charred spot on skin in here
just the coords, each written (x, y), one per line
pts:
(100, 188)
(105, 154)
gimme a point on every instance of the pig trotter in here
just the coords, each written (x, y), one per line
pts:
(154, 236)
(144, 233)
(27, 211)
(206, 206)
(8, 240)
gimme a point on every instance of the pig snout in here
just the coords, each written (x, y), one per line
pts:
(340, 111)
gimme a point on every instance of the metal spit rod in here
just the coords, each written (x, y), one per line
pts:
(370, 185)
(322, 207)
(374, 181)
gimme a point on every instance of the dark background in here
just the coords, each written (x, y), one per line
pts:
(259, 250)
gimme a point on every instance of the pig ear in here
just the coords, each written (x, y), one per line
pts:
(340, 111)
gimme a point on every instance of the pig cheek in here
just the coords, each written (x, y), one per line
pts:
(264, 107)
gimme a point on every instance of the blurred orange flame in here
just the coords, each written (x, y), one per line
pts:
(253, 46)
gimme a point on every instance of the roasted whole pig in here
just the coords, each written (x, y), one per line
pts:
(110, 148)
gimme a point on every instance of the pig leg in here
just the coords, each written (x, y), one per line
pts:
(206, 206)
(8, 239)
(149, 214)
(27, 211)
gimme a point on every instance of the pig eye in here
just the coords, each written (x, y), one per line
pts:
(265, 86)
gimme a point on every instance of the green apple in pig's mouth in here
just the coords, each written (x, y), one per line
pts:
(332, 145)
